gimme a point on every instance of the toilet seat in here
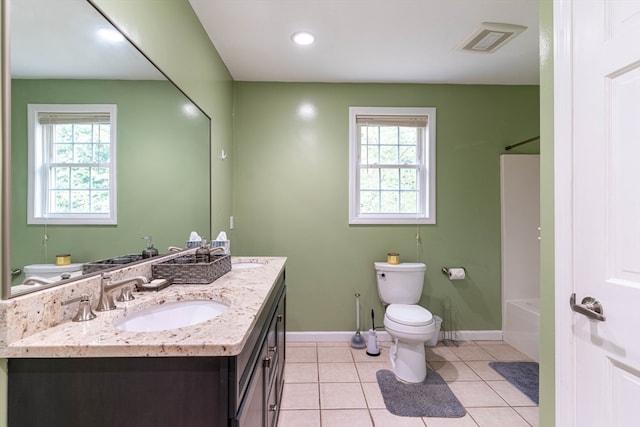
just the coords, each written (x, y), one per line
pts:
(409, 315)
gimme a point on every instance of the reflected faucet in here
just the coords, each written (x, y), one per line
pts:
(107, 288)
(216, 249)
(37, 280)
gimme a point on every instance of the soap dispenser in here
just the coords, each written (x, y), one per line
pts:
(202, 253)
(149, 251)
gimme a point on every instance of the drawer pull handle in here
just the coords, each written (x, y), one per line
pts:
(279, 317)
(273, 349)
(266, 362)
(274, 407)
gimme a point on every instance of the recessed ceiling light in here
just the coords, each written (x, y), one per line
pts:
(303, 38)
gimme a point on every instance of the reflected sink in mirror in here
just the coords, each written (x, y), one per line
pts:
(245, 265)
(171, 315)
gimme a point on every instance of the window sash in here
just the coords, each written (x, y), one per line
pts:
(93, 199)
(423, 209)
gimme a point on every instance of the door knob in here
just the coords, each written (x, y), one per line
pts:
(590, 307)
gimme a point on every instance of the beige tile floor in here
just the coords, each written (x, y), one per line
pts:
(329, 384)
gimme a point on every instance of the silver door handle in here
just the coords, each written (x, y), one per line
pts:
(590, 307)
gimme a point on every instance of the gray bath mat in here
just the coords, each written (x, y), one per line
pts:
(430, 398)
(523, 375)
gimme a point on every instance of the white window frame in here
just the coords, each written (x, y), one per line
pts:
(38, 173)
(427, 169)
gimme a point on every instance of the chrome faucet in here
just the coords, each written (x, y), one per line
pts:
(107, 288)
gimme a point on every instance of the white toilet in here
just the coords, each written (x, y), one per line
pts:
(410, 325)
(52, 271)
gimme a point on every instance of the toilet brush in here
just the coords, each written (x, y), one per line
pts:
(357, 340)
(372, 344)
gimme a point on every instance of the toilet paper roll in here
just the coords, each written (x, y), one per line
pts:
(456, 274)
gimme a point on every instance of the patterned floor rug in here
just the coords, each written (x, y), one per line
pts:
(523, 375)
(430, 398)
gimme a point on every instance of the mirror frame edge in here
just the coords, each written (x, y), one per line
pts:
(152, 62)
(6, 152)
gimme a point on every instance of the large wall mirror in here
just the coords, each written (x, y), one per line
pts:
(57, 57)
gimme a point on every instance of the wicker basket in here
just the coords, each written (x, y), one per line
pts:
(184, 269)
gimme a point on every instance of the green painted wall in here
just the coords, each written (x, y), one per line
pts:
(169, 32)
(161, 171)
(291, 195)
(547, 265)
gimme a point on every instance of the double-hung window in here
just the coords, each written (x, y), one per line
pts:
(392, 165)
(72, 164)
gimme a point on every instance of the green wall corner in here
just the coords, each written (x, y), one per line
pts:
(291, 197)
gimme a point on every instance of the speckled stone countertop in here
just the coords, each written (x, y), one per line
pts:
(245, 290)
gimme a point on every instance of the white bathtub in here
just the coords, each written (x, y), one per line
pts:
(521, 326)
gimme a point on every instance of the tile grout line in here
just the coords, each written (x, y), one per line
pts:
(355, 363)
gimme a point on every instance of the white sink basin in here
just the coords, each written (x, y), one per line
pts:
(171, 315)
(244, 265)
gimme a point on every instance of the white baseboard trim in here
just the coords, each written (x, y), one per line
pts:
(477, 335)
(327, 336)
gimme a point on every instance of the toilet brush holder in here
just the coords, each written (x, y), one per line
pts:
(372, 344)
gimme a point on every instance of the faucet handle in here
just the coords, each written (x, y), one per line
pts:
(84, 310)
(125, 295)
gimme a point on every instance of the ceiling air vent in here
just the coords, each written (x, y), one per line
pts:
(489, 36)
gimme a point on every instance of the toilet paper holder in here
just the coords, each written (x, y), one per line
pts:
(448, 270)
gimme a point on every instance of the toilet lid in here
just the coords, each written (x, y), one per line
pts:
(409, 314)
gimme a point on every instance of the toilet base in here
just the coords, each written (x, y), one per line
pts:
(408, 361)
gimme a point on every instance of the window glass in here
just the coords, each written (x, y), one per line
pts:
(72, 176)
(392, 165)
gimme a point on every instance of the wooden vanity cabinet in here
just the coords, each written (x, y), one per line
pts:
(261, 378)
(235, 391)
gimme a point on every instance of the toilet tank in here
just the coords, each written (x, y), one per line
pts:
(52, 271)
(400, 283)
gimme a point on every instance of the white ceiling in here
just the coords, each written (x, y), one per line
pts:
(381, 41)
(58, 40)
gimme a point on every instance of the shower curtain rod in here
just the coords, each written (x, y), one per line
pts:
(509, 147)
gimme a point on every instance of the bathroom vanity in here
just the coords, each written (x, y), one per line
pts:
(226, 371)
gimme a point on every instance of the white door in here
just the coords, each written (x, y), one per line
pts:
(597, 205)
(597, 120)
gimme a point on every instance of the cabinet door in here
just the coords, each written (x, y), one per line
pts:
(274, 379)
(272, 408)
(252, 410)
(281, 330)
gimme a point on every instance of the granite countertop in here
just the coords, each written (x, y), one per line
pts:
(245, 290)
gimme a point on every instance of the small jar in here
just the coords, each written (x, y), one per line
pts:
(393, 258)
(64, 259)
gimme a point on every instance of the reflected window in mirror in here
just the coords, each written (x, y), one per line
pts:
(72, 178)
